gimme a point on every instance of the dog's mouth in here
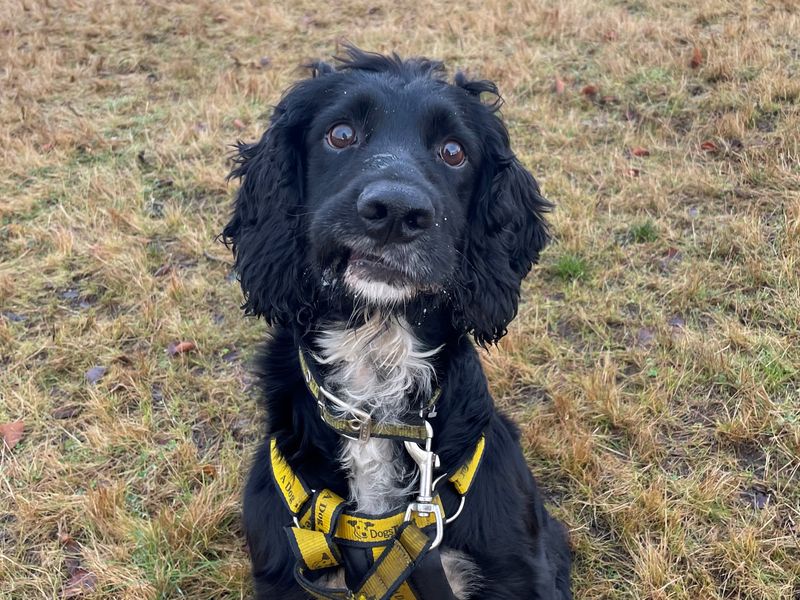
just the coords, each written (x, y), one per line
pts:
(375, 278)
(374, 268)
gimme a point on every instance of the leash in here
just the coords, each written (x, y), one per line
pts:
(398, 548)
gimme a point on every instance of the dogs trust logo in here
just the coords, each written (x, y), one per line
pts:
(363, 529)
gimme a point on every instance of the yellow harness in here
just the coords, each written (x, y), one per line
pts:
(397, 540)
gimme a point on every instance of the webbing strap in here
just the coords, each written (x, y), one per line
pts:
(462, 479)
(390, 431)
(325, 509)
(384, 581)
(293, 490)
(313, 549)
(353, 527)
(396, 564)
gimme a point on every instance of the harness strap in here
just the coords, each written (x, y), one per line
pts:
(387, 577)
(313, 549)
(326, 507)
(321, 510)
(396, 564)
(294, 491)
(462, 479)
(365, 529)
(395, 547)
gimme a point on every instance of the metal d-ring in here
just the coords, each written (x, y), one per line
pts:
(460, 506)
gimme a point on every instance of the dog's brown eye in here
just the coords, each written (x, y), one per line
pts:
(341, 136)
(453, 154)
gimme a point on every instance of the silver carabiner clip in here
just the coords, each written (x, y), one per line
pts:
(426, 462)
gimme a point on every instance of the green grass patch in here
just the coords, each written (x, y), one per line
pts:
(570, 267)
(643, 232)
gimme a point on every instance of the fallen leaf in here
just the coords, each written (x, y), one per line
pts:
(12, 433)
(672, 255)
(239, 124)
(81, 582)
(67, 412)
(558, 85)
(639, 151)
(96, 373)
(176, 348)
(590, 90)
(209, 470)
(697, 58)
(123, 359)
(708, 146)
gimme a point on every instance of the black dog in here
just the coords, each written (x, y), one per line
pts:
(381, 219)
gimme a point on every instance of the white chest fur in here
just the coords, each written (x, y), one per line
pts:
(374, 367)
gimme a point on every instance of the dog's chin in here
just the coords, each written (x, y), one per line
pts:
(376, 290)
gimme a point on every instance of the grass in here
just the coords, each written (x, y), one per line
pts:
(653, 369)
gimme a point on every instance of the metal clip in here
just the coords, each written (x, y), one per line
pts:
(426, 461)
(423, 510)
(364, 429)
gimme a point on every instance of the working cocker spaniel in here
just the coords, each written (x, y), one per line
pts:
(381, 221)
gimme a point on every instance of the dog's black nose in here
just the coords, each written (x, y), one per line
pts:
(394, 212)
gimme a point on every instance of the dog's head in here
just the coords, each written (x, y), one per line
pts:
(380, 183)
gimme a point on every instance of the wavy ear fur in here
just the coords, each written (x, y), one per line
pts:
(264, 230)
(507, 232)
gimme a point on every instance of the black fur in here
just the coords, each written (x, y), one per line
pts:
(292, 231)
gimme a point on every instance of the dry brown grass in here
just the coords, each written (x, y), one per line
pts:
(655, 365)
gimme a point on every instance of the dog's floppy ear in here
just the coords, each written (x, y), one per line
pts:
(507, 231)
(264, 229)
